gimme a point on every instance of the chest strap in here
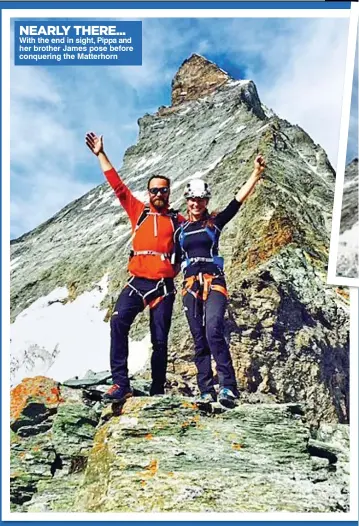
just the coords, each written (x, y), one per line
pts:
(216, 260)
(164, 255)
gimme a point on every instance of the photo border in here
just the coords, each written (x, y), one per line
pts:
(333, 279)
(168, 10)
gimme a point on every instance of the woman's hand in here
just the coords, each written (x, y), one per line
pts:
(94, 143)
(248, 187)
(259, 166)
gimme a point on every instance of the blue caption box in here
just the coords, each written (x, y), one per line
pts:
(78, 43)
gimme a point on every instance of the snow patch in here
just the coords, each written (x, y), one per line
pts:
(99, 224)
(106, 197)
(185, 111)
(267, 111)
(312, 168)
(214, 164)
(348, 253)
(198, 174)
(145, 163)
(225, 122)
(14, 263)
(87, 207)
(65, 340)
(240, 128)
(237, 82)
(140, 194)
(136, 177)
(262, 128)
(350, 238)
(180, 132)
(117, 239)
(354, 183)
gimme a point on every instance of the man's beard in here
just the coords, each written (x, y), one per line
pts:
(159, 203)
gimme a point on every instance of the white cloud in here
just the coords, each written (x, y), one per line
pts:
(42, 85)
(50, 164)
(309, 90)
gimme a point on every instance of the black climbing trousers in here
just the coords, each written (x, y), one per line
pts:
(130, 303)
(206, 322)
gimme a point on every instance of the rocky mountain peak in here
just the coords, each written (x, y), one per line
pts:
(196, 78)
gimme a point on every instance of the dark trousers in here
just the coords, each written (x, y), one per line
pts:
(129, 304)
(209, 339)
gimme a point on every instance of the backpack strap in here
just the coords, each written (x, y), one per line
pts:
(142, 217)
(173, 214)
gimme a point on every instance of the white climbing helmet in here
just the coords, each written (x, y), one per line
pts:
(197, 188)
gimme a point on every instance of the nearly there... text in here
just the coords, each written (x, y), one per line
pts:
(64, 30)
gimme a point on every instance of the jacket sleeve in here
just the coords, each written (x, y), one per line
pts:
(227, 214)
(130, 203)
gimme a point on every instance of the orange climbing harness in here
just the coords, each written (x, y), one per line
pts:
(205, 286)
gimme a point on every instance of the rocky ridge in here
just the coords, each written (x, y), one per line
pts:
(288, 330)
(162, 454)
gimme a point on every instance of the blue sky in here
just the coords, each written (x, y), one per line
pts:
(352, 150)
(297, 65)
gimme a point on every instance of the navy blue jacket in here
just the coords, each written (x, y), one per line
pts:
(199, 240)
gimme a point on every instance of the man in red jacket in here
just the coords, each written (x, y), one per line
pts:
(151, 282)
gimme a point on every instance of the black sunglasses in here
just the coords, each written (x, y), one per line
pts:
(162, 190)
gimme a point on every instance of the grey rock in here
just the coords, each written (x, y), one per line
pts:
(164, 454)
(91, 378)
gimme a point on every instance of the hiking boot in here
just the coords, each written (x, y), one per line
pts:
(156, 390)
(227, 398)
(117, 394)
(207, 398)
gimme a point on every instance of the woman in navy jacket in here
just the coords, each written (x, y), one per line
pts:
(204, 288)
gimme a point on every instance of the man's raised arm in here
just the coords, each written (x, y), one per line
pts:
(129, 202)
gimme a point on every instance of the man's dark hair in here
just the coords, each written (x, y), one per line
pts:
(158, 177)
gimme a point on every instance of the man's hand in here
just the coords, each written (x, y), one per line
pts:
(94, 143)
(259, 166)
